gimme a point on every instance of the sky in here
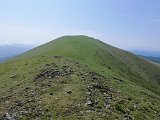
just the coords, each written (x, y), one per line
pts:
(125, 24)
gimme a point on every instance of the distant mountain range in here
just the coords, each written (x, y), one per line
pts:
(153, 56)
(9, 51)
(153, 59)
(147, 53)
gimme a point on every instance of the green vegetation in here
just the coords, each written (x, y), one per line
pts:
(78, 77)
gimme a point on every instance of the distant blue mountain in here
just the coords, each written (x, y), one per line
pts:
(146, 53)
(153, 59)
(2, 59)
(153, 56)
(9, 51)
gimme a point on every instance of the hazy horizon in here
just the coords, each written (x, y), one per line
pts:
(123, 24)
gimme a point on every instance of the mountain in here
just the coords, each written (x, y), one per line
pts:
(79, 77)
(146, 53)
(9, 51)
(153, 56)
(2, 58)
(153, 59)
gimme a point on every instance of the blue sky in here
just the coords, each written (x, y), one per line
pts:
(122, 23)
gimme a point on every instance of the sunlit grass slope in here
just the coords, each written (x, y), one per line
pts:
(100, 56)
(79, 77)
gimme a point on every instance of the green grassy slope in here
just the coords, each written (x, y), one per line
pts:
(99, 56)
(78, 77)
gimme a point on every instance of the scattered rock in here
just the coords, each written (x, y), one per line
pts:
(7, 102)
(51, 118)
(18, 103)
(128, 117)
(134, 106)
(4, 97)
(98, 86)
(54, 73)
(89, 102)
(26, 88)
(129, 98)
(8, 117)
(14, 76)
(58, 57)
(96, 101)
(69, 92)
(88, 93)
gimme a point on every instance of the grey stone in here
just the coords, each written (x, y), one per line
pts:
(13, 76)
(88, 93)
(8, 117)
(89, 102)
(18, 103)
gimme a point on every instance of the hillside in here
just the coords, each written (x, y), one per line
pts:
(79, 77)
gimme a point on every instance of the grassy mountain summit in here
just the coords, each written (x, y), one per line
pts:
(79, 77)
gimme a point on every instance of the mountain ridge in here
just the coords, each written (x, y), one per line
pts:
(79, 77)
(82, 41)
